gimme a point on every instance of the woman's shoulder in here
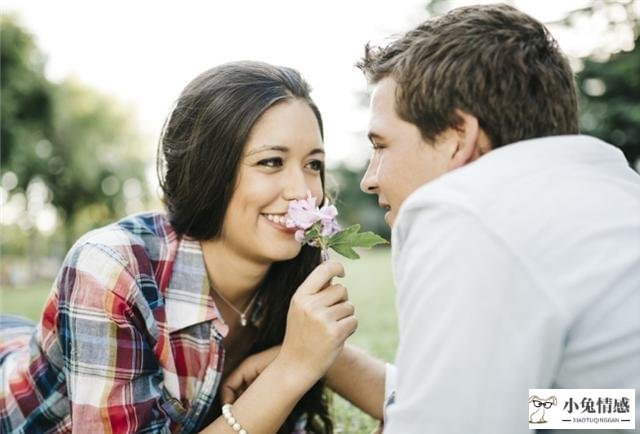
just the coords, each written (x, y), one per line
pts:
(122, 257)
(135, 243)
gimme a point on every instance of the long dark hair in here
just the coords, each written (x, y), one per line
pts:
(198, 157)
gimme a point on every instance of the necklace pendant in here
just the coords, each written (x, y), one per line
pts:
(243, 320)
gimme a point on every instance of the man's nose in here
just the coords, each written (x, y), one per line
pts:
(369, 181)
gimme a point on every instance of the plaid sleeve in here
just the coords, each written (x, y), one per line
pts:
(113, 380)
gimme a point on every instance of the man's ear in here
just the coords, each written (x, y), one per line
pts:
(471, 141)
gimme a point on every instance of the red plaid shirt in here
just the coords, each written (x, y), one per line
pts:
(129, 339)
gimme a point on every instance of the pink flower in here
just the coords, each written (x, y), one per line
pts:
(328, 215)
(302, 214)
(299, 236)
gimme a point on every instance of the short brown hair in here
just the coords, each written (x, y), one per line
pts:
(491, 61)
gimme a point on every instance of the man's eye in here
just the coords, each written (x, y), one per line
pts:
(316, 165)
(271, 162)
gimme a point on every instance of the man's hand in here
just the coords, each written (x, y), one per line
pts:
(242, 377)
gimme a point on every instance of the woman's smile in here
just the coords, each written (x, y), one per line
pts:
(277, 221)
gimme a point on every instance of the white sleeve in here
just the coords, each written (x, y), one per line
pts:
(390, 380)
(476, 328)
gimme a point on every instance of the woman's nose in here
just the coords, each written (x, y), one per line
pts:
(296, 186)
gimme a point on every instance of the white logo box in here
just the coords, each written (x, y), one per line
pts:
(582, 409)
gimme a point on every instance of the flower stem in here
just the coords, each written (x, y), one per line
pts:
(324, 249)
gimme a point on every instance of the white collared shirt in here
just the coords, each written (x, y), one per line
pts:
(520, 270)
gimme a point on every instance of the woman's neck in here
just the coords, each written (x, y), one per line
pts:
(233, 276)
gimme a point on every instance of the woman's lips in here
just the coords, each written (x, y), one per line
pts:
(280, 227)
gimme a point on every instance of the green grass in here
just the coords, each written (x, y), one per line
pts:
(370, 286)
(26, 301)
(370, 289)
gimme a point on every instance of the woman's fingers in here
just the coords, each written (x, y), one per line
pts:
(331, 295)
(320, 276)
(348, 326)
(340, 311)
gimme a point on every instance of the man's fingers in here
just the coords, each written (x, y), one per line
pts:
(246, 373)
(234, 385)
(319, 277)
(228, 394)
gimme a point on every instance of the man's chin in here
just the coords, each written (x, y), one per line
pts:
(389, 217)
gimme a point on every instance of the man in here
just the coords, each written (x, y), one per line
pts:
(516, 242)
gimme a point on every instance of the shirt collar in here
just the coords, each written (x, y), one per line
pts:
(557, 150)
(517, 160)
(188, 299)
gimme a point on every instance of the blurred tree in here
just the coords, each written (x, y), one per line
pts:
(609, 83)
(26, 107)
(354, 205)
(77, 142)
(95, 155)
(610, 101)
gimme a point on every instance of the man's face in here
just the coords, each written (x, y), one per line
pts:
(402, 161)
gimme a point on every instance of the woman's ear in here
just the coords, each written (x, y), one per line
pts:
(471, 141)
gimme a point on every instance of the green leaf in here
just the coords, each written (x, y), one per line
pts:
(311, 234)
(344, 241)
(345, 251)
(340, 236)
(367, 240)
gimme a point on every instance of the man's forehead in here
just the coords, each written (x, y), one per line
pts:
(383, 95)
(382, 107)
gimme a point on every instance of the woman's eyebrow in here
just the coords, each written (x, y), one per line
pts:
(283, 149)
(268, 148)
(317, 151)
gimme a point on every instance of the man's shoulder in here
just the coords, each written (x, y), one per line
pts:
(519, 176)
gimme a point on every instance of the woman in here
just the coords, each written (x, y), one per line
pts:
(147, 316)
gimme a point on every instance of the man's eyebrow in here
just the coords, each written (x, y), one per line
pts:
(283, 149)
(373, 136)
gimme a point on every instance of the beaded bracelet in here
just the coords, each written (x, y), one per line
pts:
(233, 423)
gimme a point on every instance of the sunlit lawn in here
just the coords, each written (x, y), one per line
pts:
(26, 300)
(370, 288)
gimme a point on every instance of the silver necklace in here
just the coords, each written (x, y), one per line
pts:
(243, 315)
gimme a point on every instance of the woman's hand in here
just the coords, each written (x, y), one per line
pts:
(319, 321)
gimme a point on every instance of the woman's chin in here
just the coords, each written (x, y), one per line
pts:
(283, 251)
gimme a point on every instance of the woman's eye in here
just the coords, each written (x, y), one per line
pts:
(316, 165)
(271, 162)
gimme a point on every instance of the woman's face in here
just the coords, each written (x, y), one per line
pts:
(282, 161)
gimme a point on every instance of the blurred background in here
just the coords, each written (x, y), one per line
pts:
(85, 88)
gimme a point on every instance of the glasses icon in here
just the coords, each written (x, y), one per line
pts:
(546, 405)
